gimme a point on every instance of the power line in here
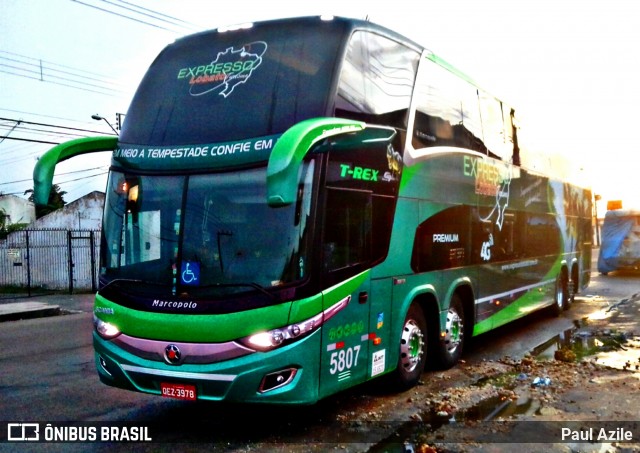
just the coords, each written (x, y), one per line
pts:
(125, 16)
(43, 115)
(44, 134)
(60, 174)
(153, 14)
(12, 129)
(83, 177)
(52, 125)
(28, 140)
(106, 91)
(9, 148)
(45, 71)
(33, 130)
(30, 156)
(92, 88)
(61, 183)
(69, 70)
(55, 133)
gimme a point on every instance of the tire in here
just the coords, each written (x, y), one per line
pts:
(449, 350)
(413, 350)
(561, 294)
(573, 286)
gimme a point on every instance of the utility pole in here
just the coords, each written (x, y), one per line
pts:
(596, 198)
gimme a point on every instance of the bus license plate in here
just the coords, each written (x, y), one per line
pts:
(179, 391)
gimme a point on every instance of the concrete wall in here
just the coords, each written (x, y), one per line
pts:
(82, 214)
(18, 209)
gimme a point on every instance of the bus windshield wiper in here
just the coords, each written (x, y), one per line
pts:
(219, 234)
(117, 281)
(253, 285)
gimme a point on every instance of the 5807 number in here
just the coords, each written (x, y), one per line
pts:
(344, 359)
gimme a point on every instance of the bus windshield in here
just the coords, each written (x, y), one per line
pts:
(206, 235)
(222, 87)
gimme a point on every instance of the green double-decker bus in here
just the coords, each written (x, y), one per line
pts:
(298, 206)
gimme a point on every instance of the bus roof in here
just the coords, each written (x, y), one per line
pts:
(350, 23)
(353, 24)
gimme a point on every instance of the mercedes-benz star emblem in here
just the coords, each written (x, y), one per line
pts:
(172, 354)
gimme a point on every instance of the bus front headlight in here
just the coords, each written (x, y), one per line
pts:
(271, 339)
(105, 329)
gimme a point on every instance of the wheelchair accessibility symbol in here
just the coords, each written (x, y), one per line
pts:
(190, 273)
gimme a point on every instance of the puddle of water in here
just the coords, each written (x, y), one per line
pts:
(497, 407)
(492, 408)
(575, 344)
(608, 348)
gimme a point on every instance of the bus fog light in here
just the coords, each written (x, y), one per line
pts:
(103, 365)
(278, 379)
(105, 330)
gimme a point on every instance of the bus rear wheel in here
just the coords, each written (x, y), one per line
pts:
(449, 349)
(413, 350)
(561, 294)
(573, 287)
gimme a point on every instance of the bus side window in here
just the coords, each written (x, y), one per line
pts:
(376, 80)
(447, 112)
(493, 128)
(543, 235)
(504, 247)
(347, 229)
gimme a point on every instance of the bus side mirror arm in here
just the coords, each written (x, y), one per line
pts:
(46, 165)
(289, 151)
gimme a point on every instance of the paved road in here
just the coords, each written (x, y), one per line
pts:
(48, 375)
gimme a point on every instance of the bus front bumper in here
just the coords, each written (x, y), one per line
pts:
(287, 375)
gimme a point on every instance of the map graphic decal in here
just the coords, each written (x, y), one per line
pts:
(228, 70)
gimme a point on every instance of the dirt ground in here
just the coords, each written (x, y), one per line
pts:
(581, 394)
(578, 393)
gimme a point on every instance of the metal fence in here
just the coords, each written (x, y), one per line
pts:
(49, 260)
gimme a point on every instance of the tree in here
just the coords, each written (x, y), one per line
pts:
(56, 201)
(6, 227)
(4, 219)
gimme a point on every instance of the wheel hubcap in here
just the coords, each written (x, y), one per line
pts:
(559, 294)
(411, 346)
(454, 331)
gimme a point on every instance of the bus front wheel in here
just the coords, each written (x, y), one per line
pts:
(413, 349)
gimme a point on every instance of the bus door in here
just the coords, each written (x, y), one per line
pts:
(358, 194)
(345, 337)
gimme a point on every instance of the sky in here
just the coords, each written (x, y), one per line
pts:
(568, 67)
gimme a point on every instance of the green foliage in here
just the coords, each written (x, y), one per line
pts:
(6, 230)
(56, 201)
(4, 219)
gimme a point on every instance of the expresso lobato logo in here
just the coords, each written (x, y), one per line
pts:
(228, 70)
